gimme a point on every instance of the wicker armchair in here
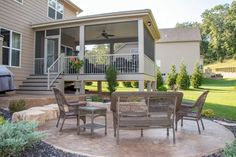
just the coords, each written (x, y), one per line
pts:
(67, 110)
(192, 111)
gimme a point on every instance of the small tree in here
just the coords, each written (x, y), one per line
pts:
(171, 78)
(111, 77)
(183, 80)
(159, 78)
(196, 79)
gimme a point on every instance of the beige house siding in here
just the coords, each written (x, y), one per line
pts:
(176, 53)
(19, 18)
(127, 48)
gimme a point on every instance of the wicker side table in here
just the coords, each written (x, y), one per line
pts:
(93, 112)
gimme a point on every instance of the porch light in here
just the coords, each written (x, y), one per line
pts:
(149, 23)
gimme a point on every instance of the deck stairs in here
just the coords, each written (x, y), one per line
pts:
(38, 84)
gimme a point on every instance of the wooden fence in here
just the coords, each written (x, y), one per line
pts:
(226, 69)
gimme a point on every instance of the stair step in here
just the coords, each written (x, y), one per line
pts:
(35, 85)
(33, 88)
(36, 92)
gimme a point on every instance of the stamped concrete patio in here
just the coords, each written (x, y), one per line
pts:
(153, 143)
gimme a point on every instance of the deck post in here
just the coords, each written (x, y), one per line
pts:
(1, 41)
(141, 85)
(99, 87)
(81, 44)
(141, 45)
(154, 86)
(82, 87)
(149, 86)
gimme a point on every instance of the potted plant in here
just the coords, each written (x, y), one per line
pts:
(77, 64)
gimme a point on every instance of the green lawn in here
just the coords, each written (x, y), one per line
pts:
(221, 98)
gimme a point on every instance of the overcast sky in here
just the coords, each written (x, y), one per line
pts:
(166, 12)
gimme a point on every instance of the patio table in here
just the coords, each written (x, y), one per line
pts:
(93, 112)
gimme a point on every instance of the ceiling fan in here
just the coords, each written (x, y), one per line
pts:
(106, 35)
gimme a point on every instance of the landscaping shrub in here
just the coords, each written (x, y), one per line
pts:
(162, 88)
(2, 120)
(159, 78)
(183, 80)
(111, 77)
(134, 84)
(209, 113)
(127, 84)
(96, 98)
(196, 78)
(16, 137)
(230, 150)
(17, 105)
(88, 83)
(171, 78)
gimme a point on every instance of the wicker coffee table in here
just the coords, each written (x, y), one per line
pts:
(93, 112)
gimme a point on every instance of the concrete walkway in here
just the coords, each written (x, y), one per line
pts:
(154, 143)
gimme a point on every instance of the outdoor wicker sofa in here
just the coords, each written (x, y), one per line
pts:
(142, 110)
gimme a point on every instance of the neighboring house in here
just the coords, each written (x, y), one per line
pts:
(39, 37)
(178, 45)
(16, 18)
(175, 46)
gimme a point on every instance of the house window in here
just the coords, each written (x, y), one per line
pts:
(55, 9)
(11, 49)
(19, 1)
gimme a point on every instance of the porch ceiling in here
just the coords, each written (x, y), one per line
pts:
(102, 19)
(123, 30)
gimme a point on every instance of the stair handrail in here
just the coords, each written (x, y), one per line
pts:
(60, 62)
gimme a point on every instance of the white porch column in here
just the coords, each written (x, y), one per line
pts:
(149, 86)
(82, 46)
(82, 87)
(141, 85)
(141, 45)
(99, 87)
(154, 86)
(1, 40)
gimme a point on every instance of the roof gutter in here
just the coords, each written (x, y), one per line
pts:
(85, 19)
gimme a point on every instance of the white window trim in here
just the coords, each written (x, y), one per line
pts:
(19, 2)
(55, 11)
(11, 48)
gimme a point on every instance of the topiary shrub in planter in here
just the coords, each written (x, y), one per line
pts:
(16, 137)
(183, 80)
(171, 78)
(17, 105)
(111, 77)
(230, 150)
(208, 113)
(127, 84)
(197, 76)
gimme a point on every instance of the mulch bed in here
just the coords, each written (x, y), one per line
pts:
(42, 149)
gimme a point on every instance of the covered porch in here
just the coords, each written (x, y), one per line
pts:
(125, 40)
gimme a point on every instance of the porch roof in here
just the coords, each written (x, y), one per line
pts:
(145, 14)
